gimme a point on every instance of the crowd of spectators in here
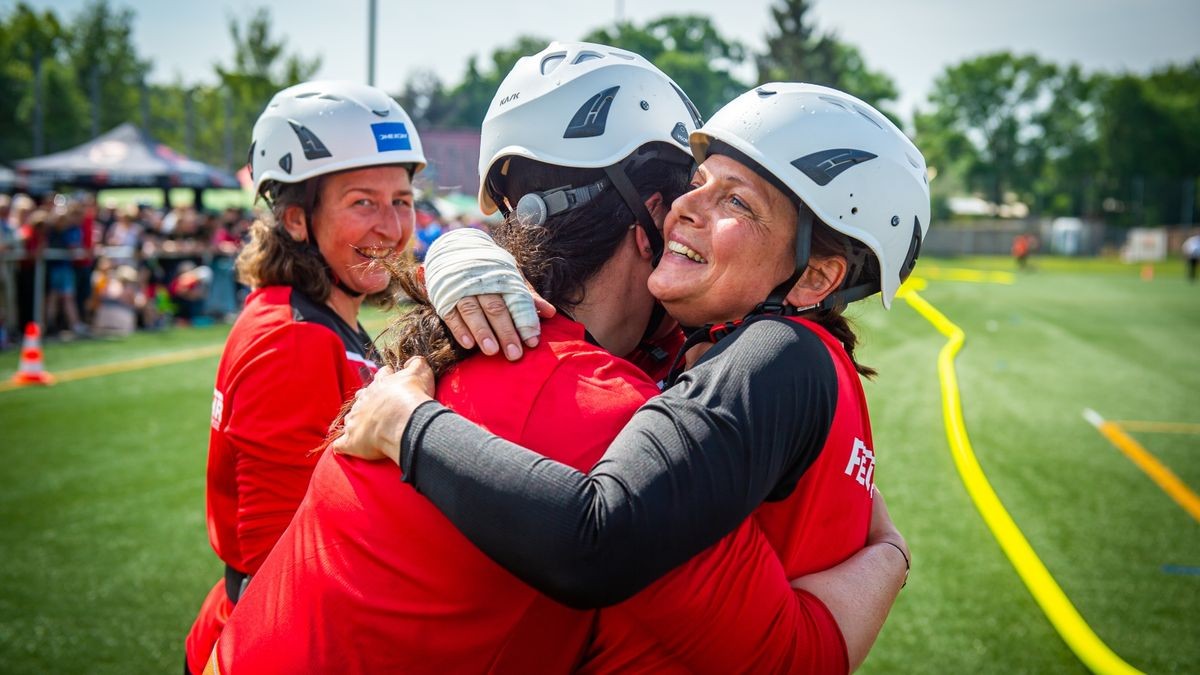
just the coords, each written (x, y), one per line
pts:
(108, 270)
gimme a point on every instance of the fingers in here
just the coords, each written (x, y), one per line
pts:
(469, 325)
(543, 307)
(418, 368)
(501, 322)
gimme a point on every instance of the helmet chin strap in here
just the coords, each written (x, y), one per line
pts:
(310, 202)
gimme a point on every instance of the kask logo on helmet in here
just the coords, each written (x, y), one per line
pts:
(391, 136)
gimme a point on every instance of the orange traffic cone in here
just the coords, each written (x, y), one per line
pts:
(31, 370)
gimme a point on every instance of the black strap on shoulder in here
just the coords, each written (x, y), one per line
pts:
(713, 332)
(629, 194)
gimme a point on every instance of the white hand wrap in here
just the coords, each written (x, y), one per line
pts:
(466, 262)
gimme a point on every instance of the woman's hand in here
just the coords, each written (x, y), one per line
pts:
(375, 423)
(484, 320)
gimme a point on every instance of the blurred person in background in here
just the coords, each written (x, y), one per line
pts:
(8, 247)
(65, 237)
(189, 290)
(30, 223)
(120, 300)
(334, 161)
(1191, 253)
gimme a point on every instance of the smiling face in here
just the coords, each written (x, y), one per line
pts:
(729, 243)
(362, 217)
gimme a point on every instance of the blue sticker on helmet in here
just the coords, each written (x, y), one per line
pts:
(391, 136)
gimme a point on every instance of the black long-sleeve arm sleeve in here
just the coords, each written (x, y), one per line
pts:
(739, 428)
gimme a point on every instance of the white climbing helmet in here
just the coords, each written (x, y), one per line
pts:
(581, 105)
(855, 169)
(320, 127)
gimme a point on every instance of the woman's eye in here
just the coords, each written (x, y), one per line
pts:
(362, 202)
(737, 201)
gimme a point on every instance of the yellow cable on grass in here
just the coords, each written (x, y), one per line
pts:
(1058, 608)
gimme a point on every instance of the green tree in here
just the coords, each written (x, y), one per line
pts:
(108, 71)
(1151, 151)
(426, 99)
(469, 100)
(797, 52)
(261, 66)
(983, 124)
(34, 41)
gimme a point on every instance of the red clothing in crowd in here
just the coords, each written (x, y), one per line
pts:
(288, 366)
(370, 577)
(823, 522)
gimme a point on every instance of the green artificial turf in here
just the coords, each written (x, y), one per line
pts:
(106, 557)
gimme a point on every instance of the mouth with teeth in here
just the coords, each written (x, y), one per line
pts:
(676, 247)
(374, 252)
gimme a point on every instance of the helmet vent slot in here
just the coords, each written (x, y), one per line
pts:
(833, 101)
(870, 118)
(551, 62)
(585, 57)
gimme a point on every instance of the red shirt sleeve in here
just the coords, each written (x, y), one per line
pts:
(731, 609)
(283, 403)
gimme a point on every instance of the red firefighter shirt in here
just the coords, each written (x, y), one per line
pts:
(821, 523)
(288, 365)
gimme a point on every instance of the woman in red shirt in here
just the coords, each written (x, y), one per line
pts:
(334, 161)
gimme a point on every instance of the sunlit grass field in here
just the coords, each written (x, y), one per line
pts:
(105, 555)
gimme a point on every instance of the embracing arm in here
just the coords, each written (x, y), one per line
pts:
(693, 463)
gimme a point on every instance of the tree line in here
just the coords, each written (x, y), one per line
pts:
(1007, 127)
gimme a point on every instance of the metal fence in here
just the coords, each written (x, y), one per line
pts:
(221, 298)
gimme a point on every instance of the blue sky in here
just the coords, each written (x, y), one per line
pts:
(910, 40)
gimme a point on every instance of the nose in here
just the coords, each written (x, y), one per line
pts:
(686, 207)
(396, 224)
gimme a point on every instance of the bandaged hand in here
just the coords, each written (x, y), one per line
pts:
(477, 289)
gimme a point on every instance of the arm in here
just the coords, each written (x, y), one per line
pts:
(861, 591)
(686, 470)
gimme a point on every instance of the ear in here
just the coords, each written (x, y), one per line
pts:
(643, 242)
(658, 209)
(823, 276)
(294, 223)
